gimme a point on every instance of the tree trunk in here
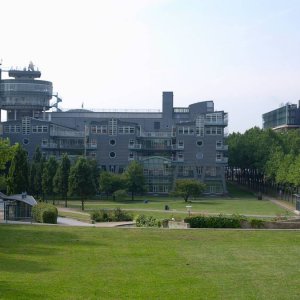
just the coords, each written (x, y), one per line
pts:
(82, 205)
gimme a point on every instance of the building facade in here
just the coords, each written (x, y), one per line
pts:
(285, 117)
(177, 142)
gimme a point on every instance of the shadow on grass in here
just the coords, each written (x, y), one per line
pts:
(9, 291)
(15, 265)
(35, 240)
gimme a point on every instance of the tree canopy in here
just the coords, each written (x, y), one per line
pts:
(135, 180)
(187, 188)
(17, 181)
(81, 181)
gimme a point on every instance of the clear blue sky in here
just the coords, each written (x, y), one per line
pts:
(243, 54)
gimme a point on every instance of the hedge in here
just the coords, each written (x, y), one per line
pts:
(45, 213)
(219, 221)
(115, 215)
(147, 221)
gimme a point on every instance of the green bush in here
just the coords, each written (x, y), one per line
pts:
(219, 221)
(147, 221)
(257, 223)
(120, 194)
(45, 213)
(115, 215)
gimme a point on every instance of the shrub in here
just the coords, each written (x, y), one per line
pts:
(120, 194)
(257, 223)
(147, 221)
(115, 215)
(219, 221)
(45, 213)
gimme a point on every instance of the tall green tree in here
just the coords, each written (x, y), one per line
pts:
(61, 178)
(135, 179)
(81, 181)
(49, 172)
(6, 155)
(17, 181)
(187, 188)
(36, 172)
(111, 182)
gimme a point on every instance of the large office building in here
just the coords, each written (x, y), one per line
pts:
(285, 117)
(176, 142)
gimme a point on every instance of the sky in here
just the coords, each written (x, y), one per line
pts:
(122, 54)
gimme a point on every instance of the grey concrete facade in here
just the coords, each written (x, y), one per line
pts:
(178, 142)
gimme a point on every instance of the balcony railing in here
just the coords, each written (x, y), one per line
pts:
(66, 133)
(155, 134)
(222, 147)
(223, 160)
(69, 146)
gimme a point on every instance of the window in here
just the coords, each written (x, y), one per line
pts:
(112, 142)
(12, 128)
(26, 122)
(213, 130)
(199, 155)
(39, 128)
(181, 144)
(112, 154)
(186, 130)
(126, 130)
(93, 154)
(199, 170)
(131, 156)
(93, 143)
(25, 141)
(199, 143)
(180, 155)
(99, 129)
(211, 171)
(219, 144)
(156, 125)
(44, 142)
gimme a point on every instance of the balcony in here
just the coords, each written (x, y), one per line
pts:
(54, 146)
(66, 133)
(177, 147)
(222, 147)
(154, 134)
(222, 160)
(150, 147)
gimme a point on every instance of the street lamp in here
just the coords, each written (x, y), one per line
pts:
(188, 207)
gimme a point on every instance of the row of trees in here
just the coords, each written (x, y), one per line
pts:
(54, 178)
(265, 159)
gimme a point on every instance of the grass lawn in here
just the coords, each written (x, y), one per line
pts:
(52, 262)
(244, 206)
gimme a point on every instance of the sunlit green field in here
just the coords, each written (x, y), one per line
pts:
(52, 262)
(156, 206)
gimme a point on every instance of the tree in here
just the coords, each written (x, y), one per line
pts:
(81, 181)
(6, 155)
(188, 187)
(61, 178)
(110, 182)
(135, 180)
(49, 172)
(17, 181)
(36, 172)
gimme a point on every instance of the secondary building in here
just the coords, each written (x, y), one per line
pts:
(177, 142)
(285, 117)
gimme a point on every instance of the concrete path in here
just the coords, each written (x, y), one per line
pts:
(73, 222)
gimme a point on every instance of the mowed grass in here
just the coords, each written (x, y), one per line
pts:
(52, 262)
(244, 206)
